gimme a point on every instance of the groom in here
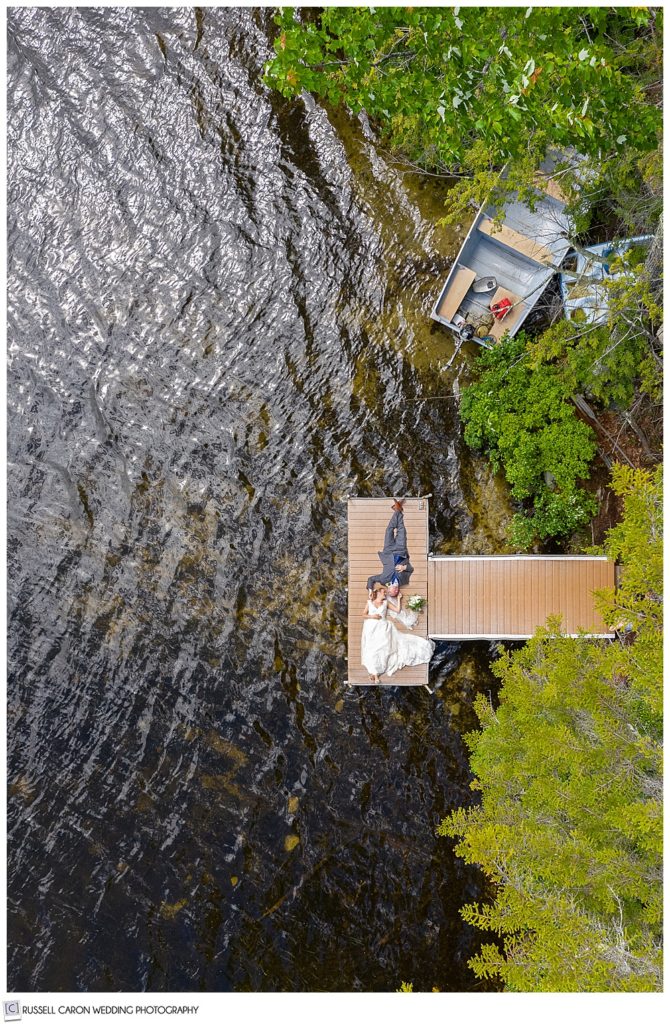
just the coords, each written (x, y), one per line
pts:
(396, 568)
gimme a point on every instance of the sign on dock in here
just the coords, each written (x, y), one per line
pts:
(367, 522)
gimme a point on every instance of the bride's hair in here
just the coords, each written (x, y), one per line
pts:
(378, 590)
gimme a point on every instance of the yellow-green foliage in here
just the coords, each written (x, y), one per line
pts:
(569, 767)
(606, 361)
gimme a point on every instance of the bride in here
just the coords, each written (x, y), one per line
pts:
(384, 649)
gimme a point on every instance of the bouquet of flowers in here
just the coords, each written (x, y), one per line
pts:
(415, 602)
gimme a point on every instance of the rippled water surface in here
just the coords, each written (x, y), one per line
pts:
(218, 329)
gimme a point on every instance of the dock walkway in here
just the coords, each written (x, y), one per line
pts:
(506, 597)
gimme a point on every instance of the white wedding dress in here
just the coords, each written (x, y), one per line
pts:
(385, 650)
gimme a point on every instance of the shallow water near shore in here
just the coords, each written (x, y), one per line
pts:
(219, 329)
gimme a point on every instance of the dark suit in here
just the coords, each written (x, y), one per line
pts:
(395, 543)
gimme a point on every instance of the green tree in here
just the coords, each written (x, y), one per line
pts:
(569, 829)
(521, 416)
(637, 543)
(468, 90)
(609, 361)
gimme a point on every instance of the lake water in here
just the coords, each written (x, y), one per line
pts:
(218, 329)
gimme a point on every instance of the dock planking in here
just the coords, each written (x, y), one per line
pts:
(367, 521)
(506, 597)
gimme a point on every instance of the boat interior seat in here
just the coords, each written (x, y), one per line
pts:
(456, 292)
(514, 240)
(500, 327)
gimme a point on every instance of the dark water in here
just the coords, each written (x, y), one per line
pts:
(218, 330)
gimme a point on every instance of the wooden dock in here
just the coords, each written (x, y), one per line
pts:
(470, 597)
(506, 597)
(367, 521)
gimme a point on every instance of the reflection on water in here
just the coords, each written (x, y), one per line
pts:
(218, 330)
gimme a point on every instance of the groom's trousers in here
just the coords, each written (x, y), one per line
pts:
(395, 538)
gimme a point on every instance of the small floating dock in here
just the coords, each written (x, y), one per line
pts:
(470, 597)
(367, 521)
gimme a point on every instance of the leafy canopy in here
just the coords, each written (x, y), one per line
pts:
(569, 766)
(470, 89)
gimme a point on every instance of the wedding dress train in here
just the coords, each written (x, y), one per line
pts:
(385, 650)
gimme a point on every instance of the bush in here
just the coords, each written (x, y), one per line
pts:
(522, 417)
